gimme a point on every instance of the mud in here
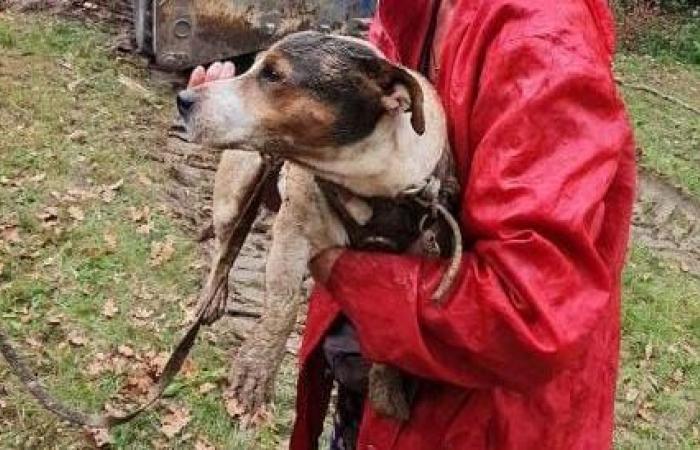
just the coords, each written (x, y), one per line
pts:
(667, 221)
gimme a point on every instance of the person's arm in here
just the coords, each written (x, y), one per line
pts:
(547, 130)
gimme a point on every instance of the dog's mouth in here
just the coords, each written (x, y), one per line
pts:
(178, 130)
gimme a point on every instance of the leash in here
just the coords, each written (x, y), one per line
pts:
(265, 177)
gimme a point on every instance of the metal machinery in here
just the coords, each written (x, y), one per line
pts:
(180, 34)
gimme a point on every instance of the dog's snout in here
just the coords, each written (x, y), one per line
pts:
(185, 102)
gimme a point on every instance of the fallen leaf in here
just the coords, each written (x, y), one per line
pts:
(139, 383)
(142, 313)
(38, 177)
(77, 339)
(110, 240)
(76, 213)
(108, 196)
(203, 445)
(206, 388)
(126, 351)
(33, 342)
(109, 309)
(143, 179)
(162, 252)
(678, 375)
(632, 395)
(144, 229)
(646, 415)
(233, 407)
(140, 214)
(79, 136)
(117, 185)
(56, 320)
(11, 234)
(100, 437)
(174, 422)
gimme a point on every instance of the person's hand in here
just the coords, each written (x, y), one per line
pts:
(321, 265)
(217, 71)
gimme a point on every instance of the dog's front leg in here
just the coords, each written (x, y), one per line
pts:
(259, 358)
(235, 175)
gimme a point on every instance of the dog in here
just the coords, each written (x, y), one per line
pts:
(359, 135)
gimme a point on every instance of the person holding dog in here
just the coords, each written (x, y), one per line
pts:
(523, 352)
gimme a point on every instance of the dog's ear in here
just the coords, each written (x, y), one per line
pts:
(404, 93)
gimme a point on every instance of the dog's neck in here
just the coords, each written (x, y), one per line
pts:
(393, 158)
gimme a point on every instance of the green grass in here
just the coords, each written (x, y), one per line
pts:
(668, 135)
(73, 273)
(659, 385)
(56, 78)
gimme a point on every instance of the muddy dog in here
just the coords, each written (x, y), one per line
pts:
(367, 162)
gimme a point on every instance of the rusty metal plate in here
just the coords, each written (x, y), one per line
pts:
(191, 32)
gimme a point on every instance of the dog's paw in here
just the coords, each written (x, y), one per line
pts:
(246, 417)
(387, 394)
(252, 382)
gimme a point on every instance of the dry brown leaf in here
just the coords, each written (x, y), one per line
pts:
(10, 234)
(38, 177)
(678, 375)
(110, 240)
(100, 437)
(203, 445)
(116, 185)
(33, 342)
(142, 313)
(139, 383)
(77, 339)
(76, 213)
(79, 136)
(175, 421)
(206, 388)
(162, 252)
(233, 407)
(144, 229)
(56, 320)
(143, 179)
(631, 395)
(108, 196)
(109, 309)
(140, 215)
(126, 351)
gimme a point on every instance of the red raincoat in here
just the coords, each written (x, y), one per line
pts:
(524, 353)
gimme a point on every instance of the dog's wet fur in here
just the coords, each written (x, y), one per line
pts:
(313, 90)
(332, 107)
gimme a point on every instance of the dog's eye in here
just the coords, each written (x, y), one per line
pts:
(268, 73)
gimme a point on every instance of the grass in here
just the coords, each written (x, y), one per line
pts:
(57, 276)
(69, 129)
(668, 135)
(659, 386)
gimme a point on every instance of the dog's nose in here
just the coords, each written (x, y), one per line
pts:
(185, 102)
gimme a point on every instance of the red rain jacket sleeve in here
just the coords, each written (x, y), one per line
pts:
(545, 137)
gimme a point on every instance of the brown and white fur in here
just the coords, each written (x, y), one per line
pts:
(332, 107)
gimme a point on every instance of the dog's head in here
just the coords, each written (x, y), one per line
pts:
(308, 92)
